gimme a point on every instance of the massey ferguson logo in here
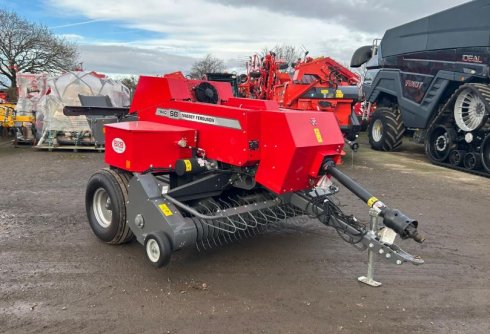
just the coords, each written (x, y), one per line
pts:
(413, 84)
(118, 145)
(313, 121)
(472, 59)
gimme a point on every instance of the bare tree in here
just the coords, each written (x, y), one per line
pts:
(288, 53)
(208, 64)
(30, 47)
(130, 82)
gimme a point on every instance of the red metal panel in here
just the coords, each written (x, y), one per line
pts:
(138, 146)
(152, 91)
(293, 145)
(289, 146)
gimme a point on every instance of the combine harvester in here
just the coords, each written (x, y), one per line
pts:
(320, 84)
(201, 167)
(433, 75)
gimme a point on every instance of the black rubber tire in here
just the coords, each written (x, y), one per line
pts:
(437, 136)
(164, 249)
(392, 129)
(433, 142)
(472, 161)
(485, 153)
(115, 183)
(456, 157)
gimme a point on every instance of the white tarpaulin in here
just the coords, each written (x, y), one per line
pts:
(30, 89)
(64, 91)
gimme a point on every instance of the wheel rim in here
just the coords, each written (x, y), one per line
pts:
(102, 207)
(377, 131)
(153, 250)
(440, 143)
(469, 110)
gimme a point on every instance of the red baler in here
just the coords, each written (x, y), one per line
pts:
(201, 167)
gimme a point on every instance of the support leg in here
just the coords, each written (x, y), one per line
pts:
(373, 227)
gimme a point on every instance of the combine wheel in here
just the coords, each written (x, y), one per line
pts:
(386, 129)
(105, 201)
(472, 161)
(470, 107)
(439, 142)
(456, 157)
(158, 249)
(485, 153)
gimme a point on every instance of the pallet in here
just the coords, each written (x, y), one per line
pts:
(73, 148)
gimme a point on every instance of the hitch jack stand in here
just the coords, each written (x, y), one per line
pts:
(373, 228)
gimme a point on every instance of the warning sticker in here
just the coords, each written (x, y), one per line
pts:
(165, 210)
(318, 135)
(371, 201)
(339, 94)
(188, 165)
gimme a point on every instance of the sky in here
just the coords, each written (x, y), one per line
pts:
(161, 36)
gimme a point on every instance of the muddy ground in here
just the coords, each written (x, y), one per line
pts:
(55, 276)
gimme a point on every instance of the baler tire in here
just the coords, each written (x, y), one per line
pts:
(158, 249)
(114, 185)
(388, 126)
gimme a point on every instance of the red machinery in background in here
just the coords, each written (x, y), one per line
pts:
(320, 84)
(201, 167)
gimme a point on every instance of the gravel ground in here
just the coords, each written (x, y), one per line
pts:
(55, 276)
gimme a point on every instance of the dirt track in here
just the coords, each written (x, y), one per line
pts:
(55, 276)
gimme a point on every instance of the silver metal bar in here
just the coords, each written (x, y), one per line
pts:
(373, 228)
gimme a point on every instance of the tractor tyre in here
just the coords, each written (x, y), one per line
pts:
(386, 129)
(158, 249)
(105, 201)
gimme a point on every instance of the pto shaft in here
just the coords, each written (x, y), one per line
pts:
(392, 218)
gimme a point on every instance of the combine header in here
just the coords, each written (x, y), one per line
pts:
(201, 167)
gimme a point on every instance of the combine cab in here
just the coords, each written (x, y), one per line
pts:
(201, 167)
(319, 84)
(433, 75)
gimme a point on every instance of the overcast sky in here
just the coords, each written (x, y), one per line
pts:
(160, 36)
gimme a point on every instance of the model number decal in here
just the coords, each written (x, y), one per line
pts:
(118, 145)
(414, 84)
(206, 119)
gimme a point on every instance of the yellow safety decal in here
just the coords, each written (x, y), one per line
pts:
(188, 165)
(166, 211)
(339, 94)
(371, 201)
(128, 164)
(318, 135)
(324, 91)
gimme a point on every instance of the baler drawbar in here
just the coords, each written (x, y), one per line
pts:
(201, 167)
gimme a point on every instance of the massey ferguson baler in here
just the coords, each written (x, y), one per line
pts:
(200, 167)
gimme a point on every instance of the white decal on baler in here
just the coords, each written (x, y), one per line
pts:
(118, 145)
(206, 119)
